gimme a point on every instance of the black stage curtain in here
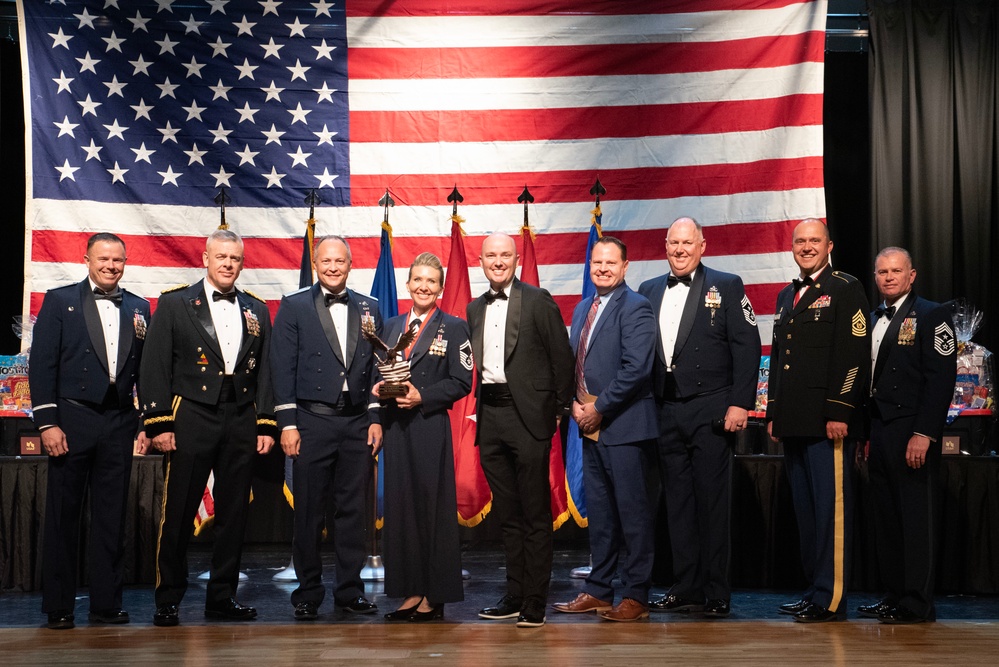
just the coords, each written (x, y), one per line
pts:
(934, 122)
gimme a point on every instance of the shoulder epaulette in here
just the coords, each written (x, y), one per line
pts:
(175, 288)
(260, 299)
(365, 296)
(845, 277)
(299, 290)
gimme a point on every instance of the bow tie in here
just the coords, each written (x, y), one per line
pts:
(336, 298)
(672, 281)
(114, 297)
(798, 284)
(888, 312)
(228, 296)
(490, 297)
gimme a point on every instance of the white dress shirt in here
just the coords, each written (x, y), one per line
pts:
(228, 326)
(111, 326)
(338, 311)
(670, 312)
(494, 339)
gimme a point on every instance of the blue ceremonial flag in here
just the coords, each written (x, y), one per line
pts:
(383, 289)
(574, 441)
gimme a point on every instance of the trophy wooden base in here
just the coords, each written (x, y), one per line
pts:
(388, 390)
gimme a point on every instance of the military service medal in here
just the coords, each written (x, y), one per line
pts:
(713, 301)
(252, 323)
(907, 332)
(438, 347)
(139, 324)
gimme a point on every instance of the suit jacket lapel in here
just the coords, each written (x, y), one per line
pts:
(427, 336)
(245, 306)
(695, 296)
(202, 315)
(656, 299)
(476, 322)
(605, 315)
(92, 317)
(126, 330)
(319, 301)
(513, 319)
(891, 336)
(353, 327)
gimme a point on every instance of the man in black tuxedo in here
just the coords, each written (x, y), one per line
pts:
(83, 367)
(206, 397)
(524, 364)
(323, 373)
(819, 376)
(913, 371)
(704, 378)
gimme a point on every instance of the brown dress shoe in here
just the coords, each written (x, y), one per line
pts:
(583, 603)
(626, 610)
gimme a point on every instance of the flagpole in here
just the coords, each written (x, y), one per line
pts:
(383, 289)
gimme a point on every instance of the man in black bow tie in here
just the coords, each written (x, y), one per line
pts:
(323, 373)
(84, 363)
(819, 370)
(913, 371)
(206, 396)
(704, 381)
(525, 370)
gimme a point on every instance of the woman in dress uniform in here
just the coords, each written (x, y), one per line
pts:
(421, 545)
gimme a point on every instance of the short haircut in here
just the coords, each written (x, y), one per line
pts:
(697, 225)
(427, 259)
(613, 240)
(222, 236)
(891, 250)
(103, 237)
(333, 237)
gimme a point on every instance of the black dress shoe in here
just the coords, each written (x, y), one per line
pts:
(436, 613)
(899, 615)
(814, 613)
(675, 604)
(532, 615)
(306, 611)
(230, 610)
(166, 616)
(401, 614)
(360, 605)
(114, 617)
(508, 607)
(61, 620)
(717, 609)
(792, 608)
(875, 610)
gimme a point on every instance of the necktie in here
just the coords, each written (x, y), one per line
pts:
(414, 326)
(888, 312)
(113, 297)
(490, 297)
(228, 296)
(673, 281)
(584, 337)
(336, 298)
(798, 284)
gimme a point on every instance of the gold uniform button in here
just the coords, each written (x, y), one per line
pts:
(199, 349)
(220, 373)
(203, 369)
(787, 367)
(204, 388)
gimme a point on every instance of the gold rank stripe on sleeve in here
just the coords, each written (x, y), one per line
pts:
(859, 324)
(267, 422)
(851, 375)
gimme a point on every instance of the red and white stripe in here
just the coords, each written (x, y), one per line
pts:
(709, 108)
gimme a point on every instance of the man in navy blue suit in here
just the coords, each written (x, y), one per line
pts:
(705, 377)
(613, 337)
(913, 369)
(323, 373)
(83, 368)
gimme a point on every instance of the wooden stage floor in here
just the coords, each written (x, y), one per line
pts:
(967, 632)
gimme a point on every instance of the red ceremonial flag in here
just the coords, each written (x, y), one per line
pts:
(474, 497)
(556, 464)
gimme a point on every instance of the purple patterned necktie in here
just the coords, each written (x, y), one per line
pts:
(584, 337)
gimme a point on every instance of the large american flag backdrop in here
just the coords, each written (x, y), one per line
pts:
(139, 111)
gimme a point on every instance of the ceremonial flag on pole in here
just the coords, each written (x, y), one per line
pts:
(556, 464)
(137, 112)
(206, 510)
(474, 496)
(574, 442)
(383, 289)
